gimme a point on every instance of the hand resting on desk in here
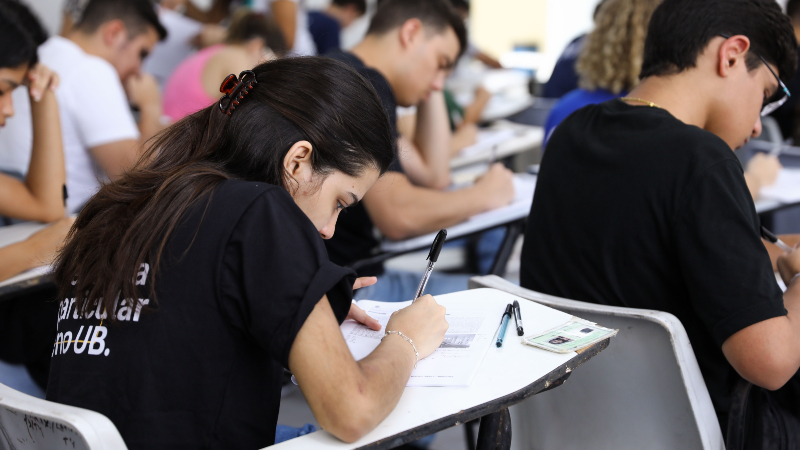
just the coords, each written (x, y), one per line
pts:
(37, 250)
(349, 398)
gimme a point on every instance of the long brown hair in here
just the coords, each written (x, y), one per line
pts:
(127, 223)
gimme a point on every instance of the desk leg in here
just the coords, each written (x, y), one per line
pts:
(513, 230)
(495, 431)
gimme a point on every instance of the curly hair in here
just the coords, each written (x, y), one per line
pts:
(611, 57)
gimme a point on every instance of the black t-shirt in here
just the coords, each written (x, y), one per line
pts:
(635, 208)
(355, 237)
(202, 366)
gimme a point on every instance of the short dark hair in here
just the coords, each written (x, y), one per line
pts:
(460, 4)
(247, 25)
(17, 46)
(437, 14)
(361, 5)
(28, 20)
(136, 14)
(793, 9)
(681, 29)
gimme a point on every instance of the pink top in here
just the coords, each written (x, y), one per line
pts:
(184, 93)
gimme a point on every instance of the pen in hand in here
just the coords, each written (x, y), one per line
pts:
(770, 236)
(433, 256)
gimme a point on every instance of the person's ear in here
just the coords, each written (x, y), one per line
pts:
(732, 54)
(297, 163)
(410, 32)
(114, 34)
(255, 48)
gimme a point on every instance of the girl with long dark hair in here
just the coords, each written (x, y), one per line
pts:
(188, 284)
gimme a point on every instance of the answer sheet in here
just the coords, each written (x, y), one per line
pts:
(455, 362)
(786, 188)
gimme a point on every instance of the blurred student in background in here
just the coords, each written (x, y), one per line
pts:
(564, 78)
(409, 49)
(252, 38)
(100, 136)
(611, 57)
(326, 26)
(40, 196)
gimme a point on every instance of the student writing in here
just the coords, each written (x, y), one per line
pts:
(193, 280)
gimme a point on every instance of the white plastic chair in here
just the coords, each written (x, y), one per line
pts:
(30, 423)
(645, 392)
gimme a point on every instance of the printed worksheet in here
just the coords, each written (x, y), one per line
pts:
(454, 363)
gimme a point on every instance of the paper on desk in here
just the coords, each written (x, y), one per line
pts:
(486, 140)
(786, 188)
(454, 363)
(524, 185)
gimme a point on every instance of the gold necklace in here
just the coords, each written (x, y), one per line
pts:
(634, 99)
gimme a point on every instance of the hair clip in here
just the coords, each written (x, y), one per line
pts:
(235, 90)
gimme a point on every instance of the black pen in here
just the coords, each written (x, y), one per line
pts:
(770, 236)
(436, 248)
(518, 318)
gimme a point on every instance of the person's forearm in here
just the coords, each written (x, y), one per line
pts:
(149, 121)
(384, 374)
(432, 137)
(16, 258)
(401, 210)
(473, 112)
(46, 174)
(284, 13)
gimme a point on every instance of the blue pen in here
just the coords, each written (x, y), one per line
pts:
(501, 333)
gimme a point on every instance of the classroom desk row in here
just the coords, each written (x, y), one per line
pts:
(501, 140)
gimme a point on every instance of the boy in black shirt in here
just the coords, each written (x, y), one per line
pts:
(640, 201)
(410, 47)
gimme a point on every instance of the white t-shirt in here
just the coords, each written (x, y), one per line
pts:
(93, 111)
(303, 42)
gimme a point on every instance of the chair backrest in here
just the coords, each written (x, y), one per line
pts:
(646, 392)
(31, 423)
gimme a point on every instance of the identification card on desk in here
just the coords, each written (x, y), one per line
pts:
(570, 337)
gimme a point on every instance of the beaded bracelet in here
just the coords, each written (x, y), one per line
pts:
(416, 353)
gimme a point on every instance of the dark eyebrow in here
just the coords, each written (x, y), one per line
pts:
(13, 84)
(355, 199)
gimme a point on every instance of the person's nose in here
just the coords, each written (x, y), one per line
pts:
(438, 82)
(327, 231)
(757, 128)
(7, 107)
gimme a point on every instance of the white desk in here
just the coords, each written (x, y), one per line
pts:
(515, 138)
(506, 377)
(16, 233)
(524, 185)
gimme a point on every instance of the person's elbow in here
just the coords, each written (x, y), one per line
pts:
(771, 372)
(765, 353)
(442, 181)
(349, 420)
(397, 228)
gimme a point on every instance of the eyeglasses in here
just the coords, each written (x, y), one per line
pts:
(779, 97)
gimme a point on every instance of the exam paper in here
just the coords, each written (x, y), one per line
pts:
(454, 363)
(786, 188)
